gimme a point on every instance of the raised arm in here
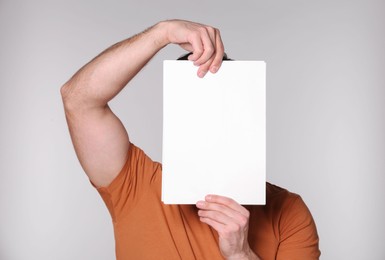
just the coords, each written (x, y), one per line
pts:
(99, 138)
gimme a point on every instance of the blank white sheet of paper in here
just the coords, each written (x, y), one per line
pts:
(214, 132)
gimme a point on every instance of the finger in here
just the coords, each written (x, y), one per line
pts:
(217, 216)
(224, 230)
(227, 202)
(223, 209)
(219, 52)
(219, 227)
(197, 46)
(187, 46)
(208, 47)
(203, 69)
(222, 214)
(212, 31)
(215, 62)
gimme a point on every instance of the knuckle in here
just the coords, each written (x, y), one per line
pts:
(207, 214)
(211, 30)
(247, 213)
(209, 49)
(217, 32)
(243, 221)
(202, 213)
(202, 29)
(198, 51)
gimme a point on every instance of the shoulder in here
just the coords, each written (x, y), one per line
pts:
(297, 230)
(290, 206)
(274, 190)
(282, 207)
(276, 194)
(279, 197)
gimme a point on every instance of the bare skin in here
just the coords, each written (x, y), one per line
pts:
(231, 221)
(100, 140)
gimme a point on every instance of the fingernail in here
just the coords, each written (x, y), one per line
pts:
(202, 73)
(208, 197)
(214, 69)
(200, 204)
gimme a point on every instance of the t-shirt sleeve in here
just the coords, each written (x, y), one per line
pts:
(138, 176)
(298, 232)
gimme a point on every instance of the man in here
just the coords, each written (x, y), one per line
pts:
(129, 182)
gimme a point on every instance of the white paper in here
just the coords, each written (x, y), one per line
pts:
(214, 132)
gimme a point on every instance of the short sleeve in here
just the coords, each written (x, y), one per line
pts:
(139, 175)
(298, 232)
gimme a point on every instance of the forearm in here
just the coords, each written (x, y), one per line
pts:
(105, 76)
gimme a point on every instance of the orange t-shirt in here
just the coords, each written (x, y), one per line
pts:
(145, 228)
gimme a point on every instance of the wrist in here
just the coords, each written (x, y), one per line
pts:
(160, 31)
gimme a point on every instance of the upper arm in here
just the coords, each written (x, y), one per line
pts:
(298, 232)
(100, 140)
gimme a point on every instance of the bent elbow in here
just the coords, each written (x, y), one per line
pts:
(67, 96)
(64, 92)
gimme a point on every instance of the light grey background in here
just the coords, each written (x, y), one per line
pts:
(325, 119)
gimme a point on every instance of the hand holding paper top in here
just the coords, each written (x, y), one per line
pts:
(203, 41)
